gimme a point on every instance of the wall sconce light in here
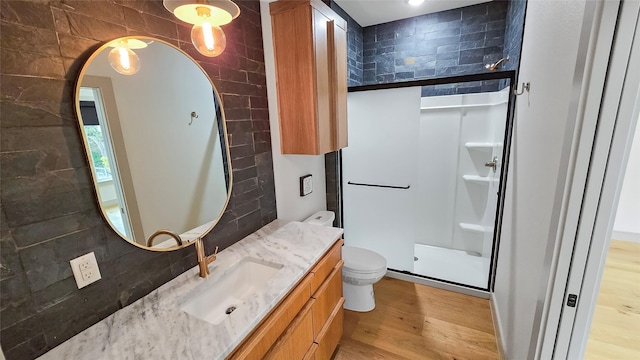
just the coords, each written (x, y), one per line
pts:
(206, 16)
(122, 58)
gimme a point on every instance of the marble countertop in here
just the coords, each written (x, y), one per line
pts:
(154, 327)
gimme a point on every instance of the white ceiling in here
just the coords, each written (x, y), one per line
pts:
(372, 12)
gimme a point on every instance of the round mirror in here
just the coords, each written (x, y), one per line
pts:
(155, 137)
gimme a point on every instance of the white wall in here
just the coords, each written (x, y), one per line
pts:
(154, 114)
(287, 169)
(550, 48)
(627, 224)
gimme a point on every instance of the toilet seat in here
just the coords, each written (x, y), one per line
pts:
(362, 266)
(361, 262)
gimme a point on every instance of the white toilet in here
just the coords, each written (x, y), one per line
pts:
(362, 268)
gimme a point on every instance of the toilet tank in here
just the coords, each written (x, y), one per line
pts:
(322, 218)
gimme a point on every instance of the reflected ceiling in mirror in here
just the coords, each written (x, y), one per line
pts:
(156, 142)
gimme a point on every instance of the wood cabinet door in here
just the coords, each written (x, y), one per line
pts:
(331, 333)
(327, 297)
(296, 339)
(340, 87)
(323, 64)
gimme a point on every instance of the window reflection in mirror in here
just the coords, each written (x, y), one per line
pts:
(97, 135)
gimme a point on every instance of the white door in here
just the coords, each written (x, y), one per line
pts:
(379, 173)
(612, 145)
(565, 54)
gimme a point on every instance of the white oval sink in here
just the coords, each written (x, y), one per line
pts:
(216, 299)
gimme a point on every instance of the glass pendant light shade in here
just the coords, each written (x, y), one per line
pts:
(206, 16)
(208, 39)
(222, 11)
(124, 60)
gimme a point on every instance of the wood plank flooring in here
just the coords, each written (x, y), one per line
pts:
(615, 330)
(413, 321)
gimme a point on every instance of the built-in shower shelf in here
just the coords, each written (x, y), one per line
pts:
(475, 228)
(483, 146)
(477, 179)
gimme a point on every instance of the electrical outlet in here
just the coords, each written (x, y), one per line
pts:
(85, 269)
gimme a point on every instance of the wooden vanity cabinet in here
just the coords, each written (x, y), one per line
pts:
(307, 323)
(310, 48)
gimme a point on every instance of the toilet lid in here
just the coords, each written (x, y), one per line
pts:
(362, 260)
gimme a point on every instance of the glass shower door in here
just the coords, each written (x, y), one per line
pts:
(422, 176)
(379, 173)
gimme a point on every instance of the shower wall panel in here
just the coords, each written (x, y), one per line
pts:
(437, 173)
(457, 192)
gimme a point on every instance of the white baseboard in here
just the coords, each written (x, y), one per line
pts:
(626, 236)
(495, 316)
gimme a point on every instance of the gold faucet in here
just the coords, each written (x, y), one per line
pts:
(203, 260)
(175, 236)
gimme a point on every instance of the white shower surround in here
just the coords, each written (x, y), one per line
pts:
(438, 146)
(458, 135)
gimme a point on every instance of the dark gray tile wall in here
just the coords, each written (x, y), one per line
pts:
(462, 88)
(454, 42)
(354, 47)
(513, 33)
(48, 211)
(332, 170)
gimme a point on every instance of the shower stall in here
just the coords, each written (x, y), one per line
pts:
(424, 174)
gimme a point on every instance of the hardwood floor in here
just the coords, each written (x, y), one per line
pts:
(413, 321)
(615, 330)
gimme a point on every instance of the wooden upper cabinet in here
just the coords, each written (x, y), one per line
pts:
(310, 48)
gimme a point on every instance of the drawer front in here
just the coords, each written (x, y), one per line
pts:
(331, 334)
(324, 267)
(268, 332)
(297, 339)
(327, 296)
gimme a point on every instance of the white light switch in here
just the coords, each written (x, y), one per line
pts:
(85, 269)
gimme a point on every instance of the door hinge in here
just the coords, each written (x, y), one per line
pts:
(572, 300)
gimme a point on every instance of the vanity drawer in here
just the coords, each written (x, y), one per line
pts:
(332, 332)
(261, 340)
(297, 340)
(324, 267)
(327, 296)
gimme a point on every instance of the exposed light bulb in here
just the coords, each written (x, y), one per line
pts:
(124, 60)
(207, 33)
(415, 2)
(208, 39)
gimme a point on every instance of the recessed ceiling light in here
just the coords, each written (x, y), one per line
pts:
(415, 2)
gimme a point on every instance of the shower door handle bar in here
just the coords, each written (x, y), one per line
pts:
(380, 186)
